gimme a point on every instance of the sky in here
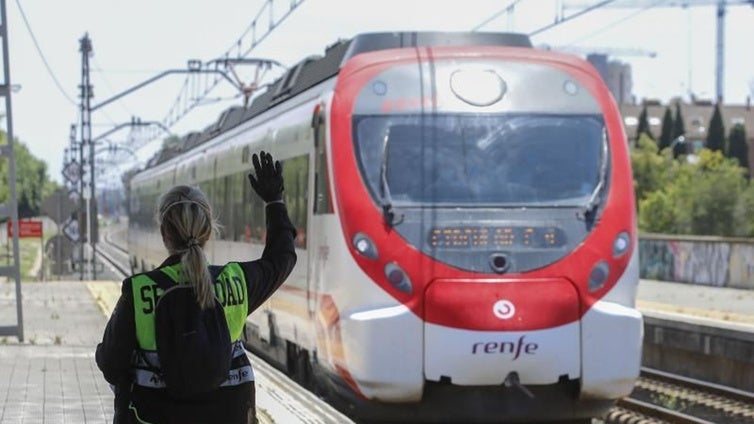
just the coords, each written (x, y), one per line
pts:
(135, 40)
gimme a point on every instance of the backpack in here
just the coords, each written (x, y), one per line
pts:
(193, 345)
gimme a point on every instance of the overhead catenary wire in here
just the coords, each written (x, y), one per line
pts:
(110, 87)
(617, 22)
(568, 18)
(506, 9)
(184, 102)
(42, 56)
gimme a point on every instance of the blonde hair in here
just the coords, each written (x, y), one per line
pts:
(185, 219)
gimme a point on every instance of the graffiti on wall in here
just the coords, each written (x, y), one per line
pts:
(741, 266)
(713, 263)
(656, 260)
(702, 262)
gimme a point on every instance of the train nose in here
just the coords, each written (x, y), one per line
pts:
(527, 326)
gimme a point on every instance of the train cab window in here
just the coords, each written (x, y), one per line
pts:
(516, 159)
(322, 202)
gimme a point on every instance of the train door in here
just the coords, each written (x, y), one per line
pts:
(321, 207)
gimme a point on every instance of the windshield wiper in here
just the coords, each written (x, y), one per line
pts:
(589, 211)
(387, 202)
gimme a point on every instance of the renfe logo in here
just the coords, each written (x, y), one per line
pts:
(504, 309)
(513, 348)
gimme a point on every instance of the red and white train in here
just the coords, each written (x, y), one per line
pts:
(467, 233)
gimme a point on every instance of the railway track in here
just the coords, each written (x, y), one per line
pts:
(664, 397)
(114, 256)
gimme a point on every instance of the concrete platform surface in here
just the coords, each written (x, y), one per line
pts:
(711, 306)
(51, 376)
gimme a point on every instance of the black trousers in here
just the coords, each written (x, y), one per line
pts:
(124, 415)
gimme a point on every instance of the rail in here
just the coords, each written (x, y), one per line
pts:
(672, 398)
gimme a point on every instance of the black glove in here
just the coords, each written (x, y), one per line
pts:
(269, 180)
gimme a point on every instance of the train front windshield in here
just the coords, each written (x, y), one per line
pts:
(511, 160)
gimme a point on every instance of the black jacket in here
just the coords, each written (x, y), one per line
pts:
(226, 404)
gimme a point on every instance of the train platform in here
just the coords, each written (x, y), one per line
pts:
(51, 376)
(704, 305)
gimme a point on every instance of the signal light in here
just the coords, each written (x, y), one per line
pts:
(598, 276)
(621, 244)
(398, 278)
(365, 246)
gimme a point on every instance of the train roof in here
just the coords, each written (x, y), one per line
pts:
(316, 69)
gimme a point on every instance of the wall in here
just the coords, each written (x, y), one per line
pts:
(712, 261)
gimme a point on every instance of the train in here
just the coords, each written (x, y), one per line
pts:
(467, 236)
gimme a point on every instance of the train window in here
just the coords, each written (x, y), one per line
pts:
(245, 154)
(237, 184)
(516, 159)
(296, 175)
(322, 202)
(220, 202)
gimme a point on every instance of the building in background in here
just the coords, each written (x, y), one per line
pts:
(617, 76)
(696, 117)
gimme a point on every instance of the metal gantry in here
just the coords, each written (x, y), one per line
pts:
(267, 19)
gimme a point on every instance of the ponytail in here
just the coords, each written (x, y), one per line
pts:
(197, 272)
(186, 223)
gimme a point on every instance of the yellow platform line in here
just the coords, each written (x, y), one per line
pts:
(105, 294)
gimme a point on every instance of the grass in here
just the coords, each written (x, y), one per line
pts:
(28, 249)
(669, 401)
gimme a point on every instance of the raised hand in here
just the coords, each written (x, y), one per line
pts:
(268, 183)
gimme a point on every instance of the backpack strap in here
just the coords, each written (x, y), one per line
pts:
(214, 271)
(165, 282)
(161, 279)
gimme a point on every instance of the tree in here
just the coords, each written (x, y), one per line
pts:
(643, 127)
(745, 212)
(716, 132)
(650, 170)
(701, 198)
(678, 126)
(717, 189)
(666, 134)
(738, 148)
(32, 182)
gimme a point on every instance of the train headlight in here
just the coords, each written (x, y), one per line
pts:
(398, 278)
(621, 244)
(598, 276)
(571, 88)
(365, 246)
(477, 87)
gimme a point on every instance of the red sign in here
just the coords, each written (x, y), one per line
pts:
(26, 229)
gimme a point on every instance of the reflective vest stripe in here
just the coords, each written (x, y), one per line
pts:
(149, 359)
(152, 380)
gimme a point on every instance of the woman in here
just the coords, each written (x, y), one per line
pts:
(127, 355)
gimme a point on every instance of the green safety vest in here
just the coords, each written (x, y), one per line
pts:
(230, 289)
